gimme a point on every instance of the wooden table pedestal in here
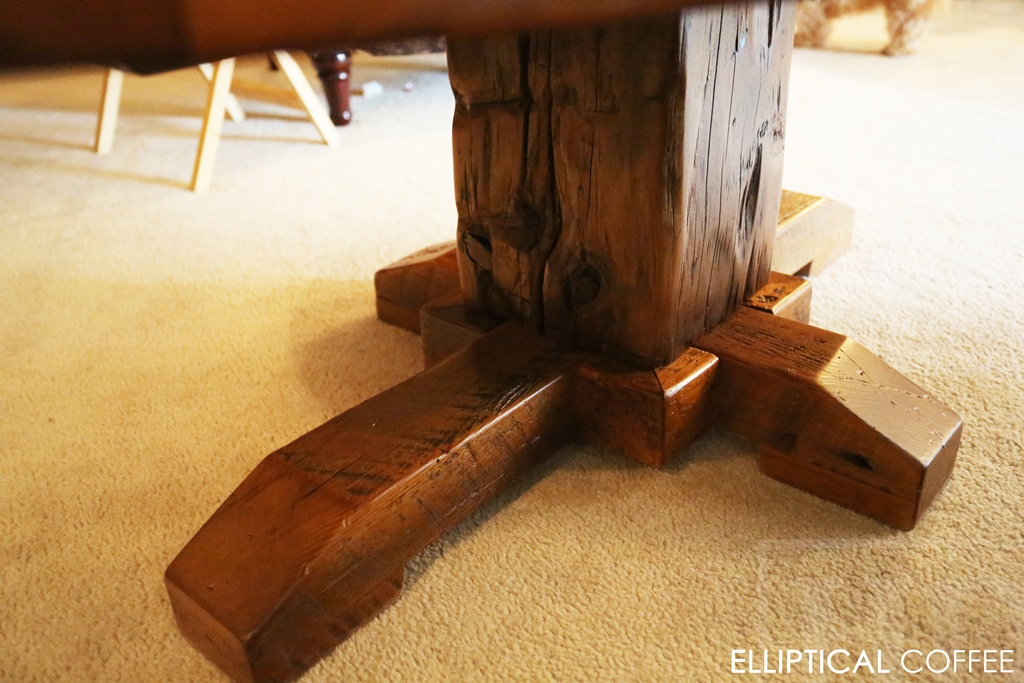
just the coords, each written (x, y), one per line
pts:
(619, 220)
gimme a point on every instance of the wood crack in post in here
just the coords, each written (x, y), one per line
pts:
(537, 58)
(635, 209)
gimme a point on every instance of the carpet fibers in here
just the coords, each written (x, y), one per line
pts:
(156, 344)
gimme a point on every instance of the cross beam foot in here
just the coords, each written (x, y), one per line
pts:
(827, 416)
(830, 418)
(313, 543)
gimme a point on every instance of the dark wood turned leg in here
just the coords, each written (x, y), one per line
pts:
(334, 67)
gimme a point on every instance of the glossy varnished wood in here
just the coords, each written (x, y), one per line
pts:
(830, 417)
(334, 68)
(405, 286)
(448, 324)
(314, 541)
(787, 296)
(813, 232)
(648, 415)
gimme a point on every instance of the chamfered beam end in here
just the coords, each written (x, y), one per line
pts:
(313, 543)
(831, 418)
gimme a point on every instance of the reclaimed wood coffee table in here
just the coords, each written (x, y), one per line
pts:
(620, 216)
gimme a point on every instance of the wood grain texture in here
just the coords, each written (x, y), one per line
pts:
(501, 143)
(686, 383)
(622, 408)
(648, 415)
(547, 143)
(831, 418)
(406, 285)
(653, 415)
(448, 324)
(787, 296)
(314, 541)
(813, 232)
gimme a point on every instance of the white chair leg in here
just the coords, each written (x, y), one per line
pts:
(110, 104)
(307, 96)
(234, 108)
(216, 104)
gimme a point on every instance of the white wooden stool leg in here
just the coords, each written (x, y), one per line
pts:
(110, 104)
(234, 108)
(216, 104)
(310, 101)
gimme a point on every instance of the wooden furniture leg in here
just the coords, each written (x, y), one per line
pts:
(814, 402)
(334, 67)
(314, 541)
(619, 194)
(213, 121)
(110, 105)
(231, 105)
(219, 101)
(310, 102)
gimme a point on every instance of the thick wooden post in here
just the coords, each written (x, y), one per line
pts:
(620, 186)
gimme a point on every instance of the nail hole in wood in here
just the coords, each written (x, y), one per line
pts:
(855, 459)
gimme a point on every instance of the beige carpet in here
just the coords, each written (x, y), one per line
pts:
(155, 345)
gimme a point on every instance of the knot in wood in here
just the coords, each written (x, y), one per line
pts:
(582, 286)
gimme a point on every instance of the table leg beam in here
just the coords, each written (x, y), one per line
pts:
(830, 418)
(313, 543)
(827, 416)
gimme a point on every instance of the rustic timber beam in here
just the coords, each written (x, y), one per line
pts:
(404, 287)
(827, 415)
(831, 418)
(601, 199)
(811, 230)
(314, 542)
